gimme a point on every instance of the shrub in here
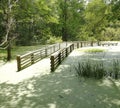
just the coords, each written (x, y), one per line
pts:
(54, 39)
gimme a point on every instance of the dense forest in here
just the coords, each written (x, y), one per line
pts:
(28, 22)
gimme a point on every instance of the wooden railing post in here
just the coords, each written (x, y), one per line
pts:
(81, 44)
(91, 43)
(52, 63)
(59, 57)
(98, 43)
(46, 52)
(32, 58)
(18, 63)
(73, 46)
(59, 46)
(77, 44)
(66, 51)
(70, 48)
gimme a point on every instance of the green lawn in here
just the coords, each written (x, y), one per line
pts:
(19, 50)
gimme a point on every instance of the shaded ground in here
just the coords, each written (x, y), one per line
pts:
(36, 87)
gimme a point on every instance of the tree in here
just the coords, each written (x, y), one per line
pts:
(7, 7)
(111, 31)
(115, 10)
(34, 20)
(71, 18)
(95, 19)
(63, 16)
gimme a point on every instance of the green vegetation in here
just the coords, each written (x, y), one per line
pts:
(30, 22)
(116, 69)
(94, 50)
(38, 21)
(54, 39)
(90, 70)
(19, 50)
(98, 69)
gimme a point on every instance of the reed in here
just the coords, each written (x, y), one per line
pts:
(97, 69)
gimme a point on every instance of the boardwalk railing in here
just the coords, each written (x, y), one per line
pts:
(78, 44)
(109, 43)
(28, 59)
(59, 56)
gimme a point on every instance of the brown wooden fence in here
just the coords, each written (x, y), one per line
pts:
(78, 44)
(59, 56)
(28, 59)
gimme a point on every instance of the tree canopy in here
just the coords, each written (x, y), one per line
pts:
(39, 21)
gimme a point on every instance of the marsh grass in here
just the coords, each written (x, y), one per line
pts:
(116, 69)
(90, 70)
(98, 69)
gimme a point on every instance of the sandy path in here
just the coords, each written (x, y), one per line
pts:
(9, 74)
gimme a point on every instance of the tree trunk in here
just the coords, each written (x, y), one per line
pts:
(9, 51)
(64, 27)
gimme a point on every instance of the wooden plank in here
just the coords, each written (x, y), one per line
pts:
(18, 63)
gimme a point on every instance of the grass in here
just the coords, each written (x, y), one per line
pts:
(19, 50)
(92, 50)
(90, 70)
(116, 69)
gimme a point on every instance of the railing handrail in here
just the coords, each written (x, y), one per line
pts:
(37, 55)
(30, 55)
(57, 57)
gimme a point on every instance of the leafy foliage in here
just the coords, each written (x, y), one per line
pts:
(36, 21)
